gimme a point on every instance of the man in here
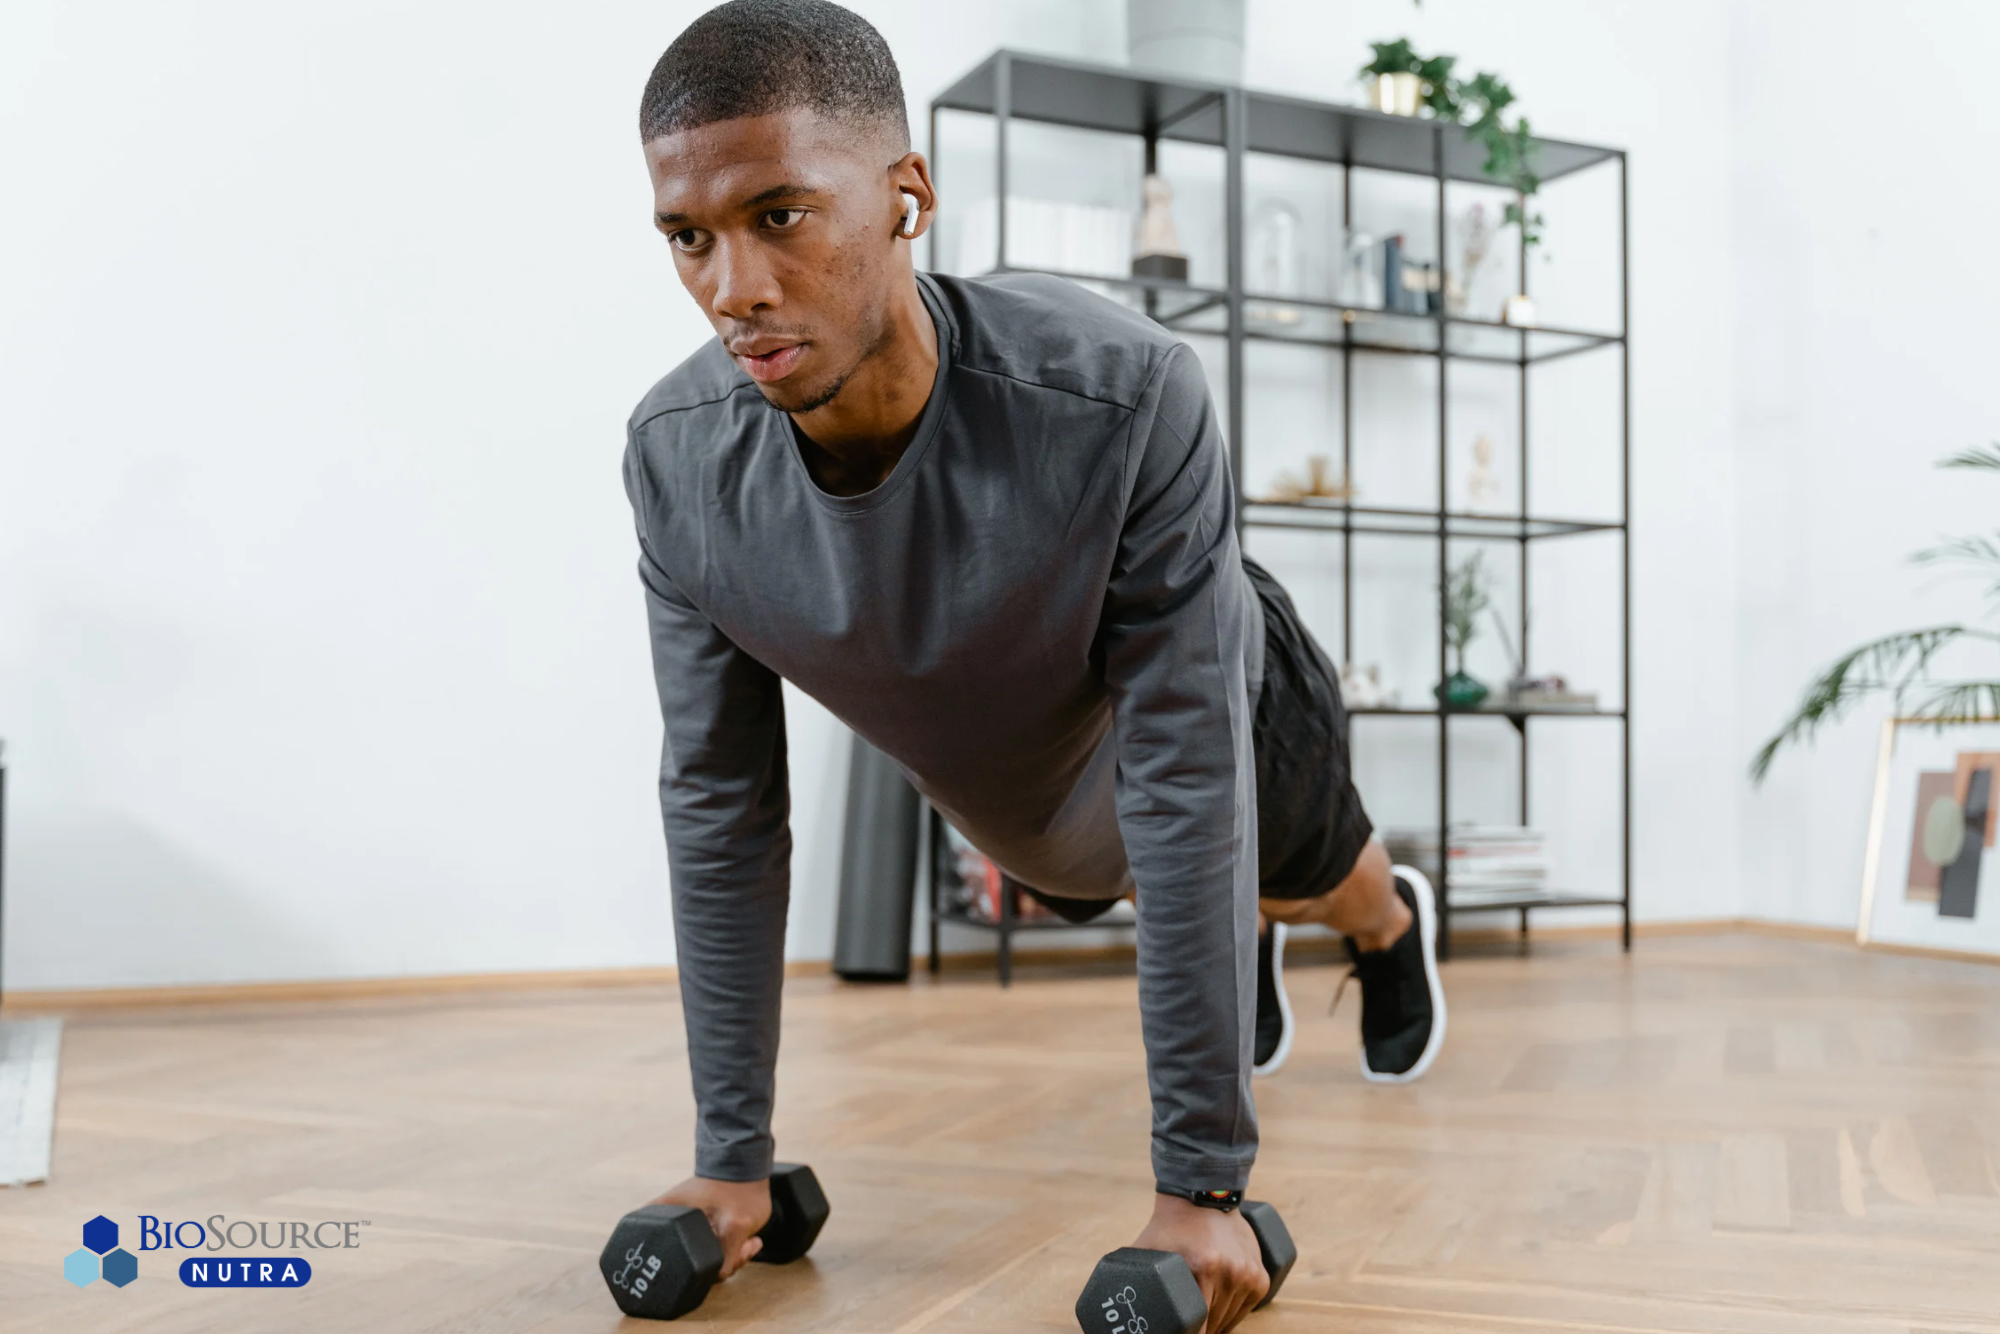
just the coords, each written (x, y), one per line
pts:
(989, 524)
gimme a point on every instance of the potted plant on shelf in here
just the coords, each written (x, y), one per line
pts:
(1899, 665)
(1408, 84)
(1401, 80)
(1465, 598)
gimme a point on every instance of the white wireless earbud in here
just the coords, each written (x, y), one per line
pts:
(910, 211)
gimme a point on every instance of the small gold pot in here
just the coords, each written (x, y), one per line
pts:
(1397, 94)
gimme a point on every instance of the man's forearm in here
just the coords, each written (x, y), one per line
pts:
(1197, 1000)
(730, 947)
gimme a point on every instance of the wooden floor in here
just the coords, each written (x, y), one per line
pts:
(1732, 1134)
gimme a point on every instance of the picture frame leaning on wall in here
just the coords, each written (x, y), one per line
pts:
(1931, 872)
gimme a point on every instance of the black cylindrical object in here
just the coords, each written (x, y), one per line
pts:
(878, 870)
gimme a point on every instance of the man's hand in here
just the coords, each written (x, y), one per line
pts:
(1222, 1251)
(737, 1211)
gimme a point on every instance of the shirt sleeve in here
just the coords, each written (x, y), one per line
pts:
(725, 802)
(1174, 636)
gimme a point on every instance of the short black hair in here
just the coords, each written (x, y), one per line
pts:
(754, 57)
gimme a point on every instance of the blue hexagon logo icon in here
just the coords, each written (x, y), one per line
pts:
(100, 1234)
(120, 1268)
(80, 1268)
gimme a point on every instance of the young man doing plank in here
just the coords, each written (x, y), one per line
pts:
(989, 525)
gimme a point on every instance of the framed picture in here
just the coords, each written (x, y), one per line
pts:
(1931, 877)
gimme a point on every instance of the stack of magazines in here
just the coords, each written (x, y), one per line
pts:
(1488, 862)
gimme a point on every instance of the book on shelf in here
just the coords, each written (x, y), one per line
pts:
(1494, 861)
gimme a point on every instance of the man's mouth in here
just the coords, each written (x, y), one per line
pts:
(775, 364)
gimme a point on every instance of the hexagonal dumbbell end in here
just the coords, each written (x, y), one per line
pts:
(661, 1261)
(1274, 1242)
(1141, 1292)
(798, 1211)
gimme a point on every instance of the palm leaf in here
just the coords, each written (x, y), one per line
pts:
(1978, 554)
(1894, 663)
(1989, 458)
(1978, 549)
(1957, 702)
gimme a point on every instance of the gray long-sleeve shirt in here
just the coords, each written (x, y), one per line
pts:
(1041, 615)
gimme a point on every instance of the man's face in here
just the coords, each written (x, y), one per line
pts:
(783, 229)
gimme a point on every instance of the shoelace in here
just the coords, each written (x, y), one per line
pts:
(1341, 990)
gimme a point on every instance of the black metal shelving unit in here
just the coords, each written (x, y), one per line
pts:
(938, 871)
(1013, 86)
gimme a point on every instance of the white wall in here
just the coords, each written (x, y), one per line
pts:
(1864, 307)
(320, 651)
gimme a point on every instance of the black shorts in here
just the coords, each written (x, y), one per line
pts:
(1310, 824)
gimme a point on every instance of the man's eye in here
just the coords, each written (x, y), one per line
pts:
(784, 219)
(687, 238)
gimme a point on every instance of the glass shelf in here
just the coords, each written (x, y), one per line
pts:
(1332, 325)
(1034, 923)
(1476, 901)
(1122, 101)
(1188, 308)
(1317, 514)
(1500, 710)
(1163, 299)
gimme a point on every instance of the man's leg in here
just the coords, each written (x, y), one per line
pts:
(1364, 907)
(1319, 861)
(1390, 923)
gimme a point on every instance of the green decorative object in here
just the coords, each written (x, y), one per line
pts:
(1462, 692)
(1464, 599)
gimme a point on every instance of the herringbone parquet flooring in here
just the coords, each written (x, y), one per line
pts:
(1720, 1135)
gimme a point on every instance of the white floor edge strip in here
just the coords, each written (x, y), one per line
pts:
(29, 1049)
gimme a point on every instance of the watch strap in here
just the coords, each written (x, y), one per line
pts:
(1225, 1201)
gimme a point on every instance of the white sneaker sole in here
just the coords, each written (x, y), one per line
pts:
(1284, 1050)
(1427, 924)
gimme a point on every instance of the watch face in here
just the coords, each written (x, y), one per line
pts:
(1206, 1199)
(1224, 1200)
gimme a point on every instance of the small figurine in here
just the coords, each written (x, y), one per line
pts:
(1482, 488)
(1319, 483)
(1361, 688)
(1158, 253)
(1475, 242)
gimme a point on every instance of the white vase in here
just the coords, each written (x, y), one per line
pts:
(1200, 39)
(1397, 94)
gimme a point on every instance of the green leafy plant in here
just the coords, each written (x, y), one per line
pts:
(1480, 104)
(1465, 598)
(1397, 57)
(1509, 148)
(1899, 665)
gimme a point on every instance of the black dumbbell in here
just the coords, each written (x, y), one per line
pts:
(1134, 1291)
(663, 1258)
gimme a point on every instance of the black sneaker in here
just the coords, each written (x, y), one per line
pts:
(1274, 1007)
(1402, 1003)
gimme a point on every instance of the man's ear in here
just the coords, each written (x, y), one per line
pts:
(916, 197)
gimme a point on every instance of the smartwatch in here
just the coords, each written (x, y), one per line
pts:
(1224, 1201)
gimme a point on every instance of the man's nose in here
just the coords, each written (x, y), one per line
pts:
(744, 283)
